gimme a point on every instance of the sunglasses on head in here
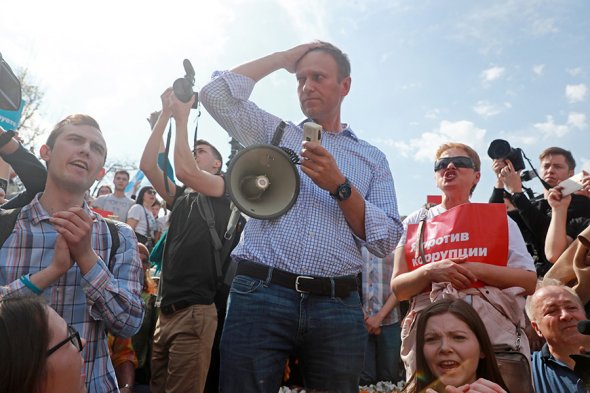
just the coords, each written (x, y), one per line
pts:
(458, 162)
(73, 337)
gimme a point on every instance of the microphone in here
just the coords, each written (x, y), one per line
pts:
(584, 327)
(188, 68)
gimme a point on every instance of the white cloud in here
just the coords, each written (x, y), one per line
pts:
(577, 120)
(493, 73)
(538, 69)
(551, 129)
(576, 93)
(585, 164)
(574, 71)
(424, 147)
(487, 109)
(541, 26)
(432, 113)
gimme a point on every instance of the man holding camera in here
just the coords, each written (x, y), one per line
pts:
(186, 326)
(534, 217)
(296, 283)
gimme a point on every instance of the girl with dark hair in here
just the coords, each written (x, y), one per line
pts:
(40, 352)
(141, 219)
(454, 352)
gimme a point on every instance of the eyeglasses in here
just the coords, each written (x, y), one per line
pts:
(73, 337)
(151, 192)
(458, 162)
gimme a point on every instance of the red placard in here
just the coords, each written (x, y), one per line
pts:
(478, 231)
(104, 213)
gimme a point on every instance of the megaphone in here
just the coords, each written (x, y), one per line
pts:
(262, 181)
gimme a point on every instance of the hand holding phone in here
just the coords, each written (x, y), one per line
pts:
(571, 185)
(312, 132)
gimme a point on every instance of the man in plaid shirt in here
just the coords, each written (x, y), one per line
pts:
(61, 250)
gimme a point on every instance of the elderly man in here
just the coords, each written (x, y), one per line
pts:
(554, 311)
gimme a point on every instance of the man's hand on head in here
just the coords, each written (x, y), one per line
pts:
(75, 225)
(292, 56)
(321, 167)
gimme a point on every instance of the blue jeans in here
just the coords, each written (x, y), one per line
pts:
(266, 322)
(382, 357)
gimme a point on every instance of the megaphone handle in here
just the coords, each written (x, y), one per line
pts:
(232, 222)
(278, 135)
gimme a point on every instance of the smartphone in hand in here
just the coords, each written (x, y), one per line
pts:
(312, 132)
(571, 185)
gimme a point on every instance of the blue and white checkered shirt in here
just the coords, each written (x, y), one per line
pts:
(376, 286)
(313, 237)
(102, 299)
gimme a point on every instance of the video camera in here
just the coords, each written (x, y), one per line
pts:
(10, 91)
(183, 87)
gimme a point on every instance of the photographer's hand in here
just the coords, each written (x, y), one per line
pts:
(557, 201)
(497, 166)
(585, 191)
(510, 178)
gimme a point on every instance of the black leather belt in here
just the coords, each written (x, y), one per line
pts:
(322, 286)
(172, 308)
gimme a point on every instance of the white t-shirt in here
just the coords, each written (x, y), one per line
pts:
(140, 213)
(119, 206)
(518, 255)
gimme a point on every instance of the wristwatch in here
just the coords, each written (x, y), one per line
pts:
(343, 191)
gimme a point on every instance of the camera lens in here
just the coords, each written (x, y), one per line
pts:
(499, 149)
(182, 89)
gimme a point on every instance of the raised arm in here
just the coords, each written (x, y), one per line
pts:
(186, 165)
(149, 158)
(557, 240)
(29, 169)
(259, 68)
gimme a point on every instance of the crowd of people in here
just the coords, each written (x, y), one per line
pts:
(328, 298)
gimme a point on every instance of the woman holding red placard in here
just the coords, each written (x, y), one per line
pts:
(436, 257)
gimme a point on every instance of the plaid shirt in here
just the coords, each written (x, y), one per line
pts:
(313, 237)
(102, 299)
(376, 286)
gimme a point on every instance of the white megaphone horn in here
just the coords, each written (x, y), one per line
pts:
(262, 181)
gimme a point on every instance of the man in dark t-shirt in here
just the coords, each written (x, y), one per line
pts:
(186, 327)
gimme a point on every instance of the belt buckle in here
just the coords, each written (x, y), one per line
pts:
(297, 283)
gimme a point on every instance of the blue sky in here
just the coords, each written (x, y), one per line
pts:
(423, 72)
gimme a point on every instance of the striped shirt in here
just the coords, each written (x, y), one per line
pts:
(102, 299)
(376, 286)
(313, 237)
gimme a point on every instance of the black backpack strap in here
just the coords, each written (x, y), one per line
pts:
(206, 211)
(7, 221)
(115, 241)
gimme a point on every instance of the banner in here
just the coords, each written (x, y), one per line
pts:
(10, 120)
(477, 231)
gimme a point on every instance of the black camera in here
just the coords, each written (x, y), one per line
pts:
(500, 150)
(183, 87)
(10, 91)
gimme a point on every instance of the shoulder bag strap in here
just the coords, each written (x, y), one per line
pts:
(420, 248)
(206, 211)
